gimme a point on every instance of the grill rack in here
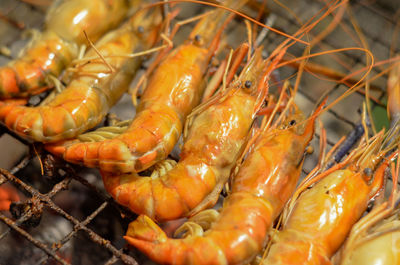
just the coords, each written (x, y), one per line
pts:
(42, 199)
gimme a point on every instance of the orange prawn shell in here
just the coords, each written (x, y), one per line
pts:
(72, 17)
(266, 159)
(265, 181)
(182, 73)
(173, 91)
(322, 218)
(338, 196)
(54, 50)
(93, 90)
(205, 158)
(49, 56)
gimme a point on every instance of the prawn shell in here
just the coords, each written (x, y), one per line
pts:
(53, 50)
(321, 219)
(268, 174)
(173, 90)
(83, 104)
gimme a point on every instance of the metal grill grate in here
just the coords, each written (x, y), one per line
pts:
(90, 230)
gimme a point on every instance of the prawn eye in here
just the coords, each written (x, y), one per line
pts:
(368, 171)
(140, 29)
(197, 38)
(247, 84)
(292, 122)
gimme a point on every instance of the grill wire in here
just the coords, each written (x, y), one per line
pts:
(66, 217)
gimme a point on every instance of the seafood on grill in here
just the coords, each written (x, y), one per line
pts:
(100, 79)
(375, 238)
(174, 89)
(56, 47)
(265, 182)
(318, 221)
(214, 141)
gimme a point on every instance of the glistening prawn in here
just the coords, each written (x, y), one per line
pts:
(265, 181)
(97, 84)
(59, 44)
(213, 143)
(319, 220)
(161, 113)
(174, 89)
(375, 238)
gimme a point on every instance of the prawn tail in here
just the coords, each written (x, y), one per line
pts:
(145, 229)
(148, 237)
(76, 152)
(86, 148)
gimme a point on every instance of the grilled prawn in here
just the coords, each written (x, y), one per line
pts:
(101, 77)
(59, 44)
(174, 89)
(323, 215)
(212, 146)
(265, 181)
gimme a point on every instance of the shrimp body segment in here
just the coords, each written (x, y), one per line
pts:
(174, 89)
(323, 216)
(59, 44)
(97, 84)
(213, 144)
(265, 181)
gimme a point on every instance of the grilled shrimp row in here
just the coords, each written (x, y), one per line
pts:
(321, 214)
(222, 140)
